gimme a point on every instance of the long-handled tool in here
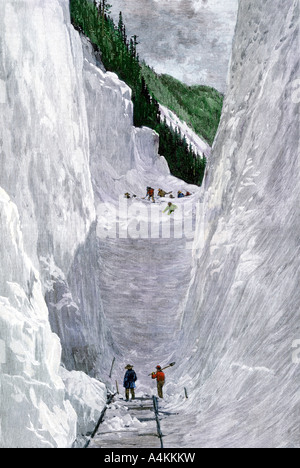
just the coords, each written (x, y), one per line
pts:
(167, 367)
(112, 366)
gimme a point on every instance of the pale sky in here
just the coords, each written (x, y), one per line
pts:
(188, 39)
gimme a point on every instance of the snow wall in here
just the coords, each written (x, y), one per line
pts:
(67, 142)
(242, 312)
(47, 227)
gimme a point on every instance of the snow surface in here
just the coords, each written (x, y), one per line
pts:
(87, 396)
(34, 412)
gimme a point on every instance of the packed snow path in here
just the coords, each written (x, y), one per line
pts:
(142, 285)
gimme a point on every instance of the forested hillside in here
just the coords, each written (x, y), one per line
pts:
(199, 106)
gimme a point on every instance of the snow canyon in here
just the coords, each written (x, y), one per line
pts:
(225, 305)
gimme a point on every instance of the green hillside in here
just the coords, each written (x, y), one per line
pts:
(199, 106)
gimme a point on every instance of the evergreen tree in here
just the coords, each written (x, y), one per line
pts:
(120, 25)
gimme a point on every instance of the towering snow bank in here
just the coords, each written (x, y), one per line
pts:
(34, 412)
(242, 313)
(44, 135)
(44, 145)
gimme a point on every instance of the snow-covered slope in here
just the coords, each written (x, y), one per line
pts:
(122, 158)
(200, 146)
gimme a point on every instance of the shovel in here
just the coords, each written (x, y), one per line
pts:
(167, 367)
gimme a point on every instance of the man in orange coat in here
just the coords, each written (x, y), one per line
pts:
(161, 378)
(150, 194)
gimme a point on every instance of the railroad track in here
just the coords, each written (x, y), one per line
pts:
(146, 433)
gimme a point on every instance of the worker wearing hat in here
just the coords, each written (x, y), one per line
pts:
(129, 382)
(161, 378)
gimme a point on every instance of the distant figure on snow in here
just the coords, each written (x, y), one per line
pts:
(129, 382)
(127, 195)
(162, 193)
(180, 194)
(171, 208)
(161, 378)
(188, 194)
(150, 194)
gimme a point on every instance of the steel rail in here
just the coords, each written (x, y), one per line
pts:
(100, 420)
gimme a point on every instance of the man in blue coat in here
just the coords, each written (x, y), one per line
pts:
(129, 382)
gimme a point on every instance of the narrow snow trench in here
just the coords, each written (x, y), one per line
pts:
(144, 281)
(145, 273)
(144, 250)
(142, 285)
